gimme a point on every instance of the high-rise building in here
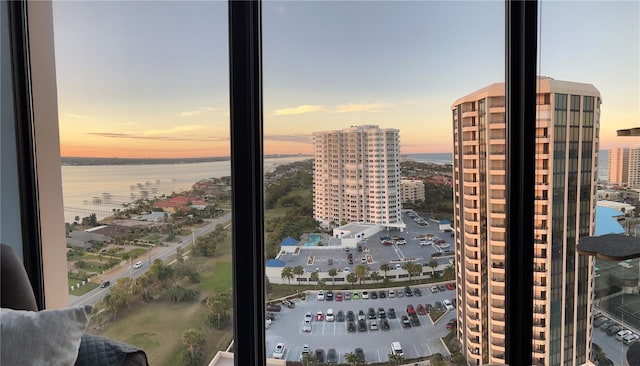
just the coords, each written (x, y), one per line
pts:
(412, 190)
(566, 141)
(634, 167)
(356, 176)
(619, 165)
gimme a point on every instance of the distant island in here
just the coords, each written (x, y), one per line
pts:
(139, 161)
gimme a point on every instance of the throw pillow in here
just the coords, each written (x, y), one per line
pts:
(46, 337)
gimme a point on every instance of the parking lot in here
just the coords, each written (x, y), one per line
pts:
(419, 340)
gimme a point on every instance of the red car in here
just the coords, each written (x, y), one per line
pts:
(451, 286)
(411, 310)
(451, 324)
(319, 315)
(338, 296)
(421, 309)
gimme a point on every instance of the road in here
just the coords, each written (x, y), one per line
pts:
(94, 296)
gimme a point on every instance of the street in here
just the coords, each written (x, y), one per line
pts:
(94, 296)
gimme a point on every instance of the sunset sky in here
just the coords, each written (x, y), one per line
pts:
(150, 78)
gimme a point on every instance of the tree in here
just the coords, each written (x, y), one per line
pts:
(219, 306)
(376, 276)
(315, 277)
(332, 273)
(449, 273)
(352, 279)
(309, 360)
(362, 271)
(298, 271)
(384, 268)
(193, 340)
(395, 359)
(287, 274)
(161, 272)
(351, 358)
(433, 264)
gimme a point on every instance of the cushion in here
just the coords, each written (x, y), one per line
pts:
(100, 351)
(46, 337)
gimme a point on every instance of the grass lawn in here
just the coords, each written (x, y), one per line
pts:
(216, 278)
(82, 289)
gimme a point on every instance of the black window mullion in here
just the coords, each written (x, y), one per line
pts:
(25, 148)
(245, 60)
(521, 57)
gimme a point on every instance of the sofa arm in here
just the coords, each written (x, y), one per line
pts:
(100, 351)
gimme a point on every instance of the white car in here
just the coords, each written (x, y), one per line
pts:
(308, 316)
(623, 333)
(630, 338)
(447, 304)
(306, 327)
(346, 269)
(365, 294)
(278, 352)
(320, 295)
(424, 242)
(392, 294)
(330, 316)
(137, 265)
(306, 351)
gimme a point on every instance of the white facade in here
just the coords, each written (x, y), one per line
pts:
(567, 124)
(634, 167)
(356, 176)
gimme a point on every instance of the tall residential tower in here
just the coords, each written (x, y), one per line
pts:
(619, 165)
(566, 139)
(356, 176)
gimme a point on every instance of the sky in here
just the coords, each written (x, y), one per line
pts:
(150, 78)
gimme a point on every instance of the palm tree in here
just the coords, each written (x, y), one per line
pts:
(287, 274)
(433, 264)
(193, 339)
(315, 277)
(352, 278)
(351, 358)
(384, 268)
(298, 271)
(309, 360)
(376, 276)
(450, 272)
(362, 271)
(332, 273)
(395, 359)
(415, 269)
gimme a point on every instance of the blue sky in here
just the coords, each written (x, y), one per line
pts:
(150, 78)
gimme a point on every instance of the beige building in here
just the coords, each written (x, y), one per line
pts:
(634, 167)
(356, 176)
(412, 190)
(619, 165)
(567, 126)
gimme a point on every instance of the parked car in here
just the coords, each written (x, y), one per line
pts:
(319, 355)
(382, 294)
(630, 338)
(332, 356)
(442, 288)
(451, 286)
(408, 292)
(417, 292)
(320, 295)
(361, 315)
(274, 307)
(308, 316)
(372, 313)
(613, 330)
(621, 334)
(452, 324)
(606, 325)
(104, 284)
(434, 289)
(391, 313)
(411, 310)
(381, 313)
(306, 350)
(374, 295)
(598, 322)
(330, 315)
(439, 306)
(356, 295)
(351, 326)
(365, 294)
(373, 325)
(288, 303)
(399, 293)
(415, 321)
(384, 324)
(359, 354)
(319, 315)
(338, 296)
(392, 294)
(362, 325)
(306, 326)
(421, 310)
(447, 304)
(278, 351)
(351, 316)
(406, 323)
(329, 296)
(340, 316)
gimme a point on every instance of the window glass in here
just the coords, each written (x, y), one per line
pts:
(362, 91)
(592, 99)
(144, 131)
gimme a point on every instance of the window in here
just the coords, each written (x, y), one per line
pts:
(251, 336)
